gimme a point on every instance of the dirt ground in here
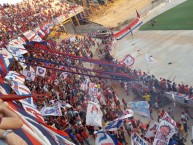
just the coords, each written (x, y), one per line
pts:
(113, 14)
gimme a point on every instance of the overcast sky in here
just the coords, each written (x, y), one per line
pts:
(10, 1)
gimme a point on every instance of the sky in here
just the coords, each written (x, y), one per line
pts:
(10, 1)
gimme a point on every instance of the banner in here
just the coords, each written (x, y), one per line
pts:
(138, 140)
(105, 139)
(166, 129)
(125, 31)
(52, 111)
(30, 76)
(140, 107)
(94, 114)
(40, 71)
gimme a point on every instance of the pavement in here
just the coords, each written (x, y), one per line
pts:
(172, 52)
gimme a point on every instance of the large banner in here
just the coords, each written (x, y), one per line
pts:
(140, 107)
(94, 114)
(166, 129)
(137, 140)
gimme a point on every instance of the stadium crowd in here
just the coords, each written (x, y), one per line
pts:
(69, 89)
(28, 15)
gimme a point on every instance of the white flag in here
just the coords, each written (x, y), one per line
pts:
(149, 59)
(52, 111)
(94, 114)
(29, 75)
(40, 71)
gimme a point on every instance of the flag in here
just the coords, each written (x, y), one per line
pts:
(29, 35)
(20, 89)
(151, 130)
(40, 71)
(52, 111)
(35, 132)
(94, 114)
(128, 60)
(30, 109)
(140, 107)
(5, 88)
(93, 89)
(22, 39)
(149, 59)
(3, 67)
(138, 16)
(105, 139)
(167, 128)
(126, 114)
(40, 32)
(138, 140)
(113, 125)
(63, 75)
(8, 58)
(14, 76)
(45, 28)
(29, 75)
(17, 50)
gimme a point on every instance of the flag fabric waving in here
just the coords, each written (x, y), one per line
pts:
(113, 125)
(30, 76)
(94, 114)
(8, 58)
(105, 139)
(140, 107)
(52, 111)
(20, 89)
(14, 76)
(35, 132)
(3, 67)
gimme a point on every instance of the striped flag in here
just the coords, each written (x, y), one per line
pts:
(3, 67)
(20, 89)
(14, 76)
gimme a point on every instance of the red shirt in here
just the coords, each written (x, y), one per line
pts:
(84, 134)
